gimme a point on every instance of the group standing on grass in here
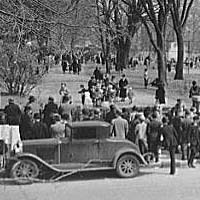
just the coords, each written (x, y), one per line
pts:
(72, 61)
(103, 88)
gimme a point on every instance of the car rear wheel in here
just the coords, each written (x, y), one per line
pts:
(24, 170)
(127, 166)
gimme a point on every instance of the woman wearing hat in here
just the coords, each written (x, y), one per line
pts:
(122, 86)
(33, 103)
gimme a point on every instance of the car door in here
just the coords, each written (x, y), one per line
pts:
(83, 146)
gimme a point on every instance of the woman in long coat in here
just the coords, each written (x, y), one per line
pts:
(160, 94)
(122, 86)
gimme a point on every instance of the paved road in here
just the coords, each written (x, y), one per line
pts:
(152, 184)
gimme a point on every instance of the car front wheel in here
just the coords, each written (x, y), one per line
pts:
(24, 170)
(127, 166)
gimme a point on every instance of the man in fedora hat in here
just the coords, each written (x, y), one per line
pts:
(13, 112)
(32, 102)
(49, 109)
(39, 129)
(170, 141)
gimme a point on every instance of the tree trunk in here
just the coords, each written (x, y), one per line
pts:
(108, 65)
(180, 56)
(161, 61)
(161, 67)
(123, 50)
(107, 55)
(72, 43)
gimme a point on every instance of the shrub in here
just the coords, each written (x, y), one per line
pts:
(18, 69)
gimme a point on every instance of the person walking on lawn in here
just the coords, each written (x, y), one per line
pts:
(194, 91)
(146, 78)
(160, 94)
(123, 83)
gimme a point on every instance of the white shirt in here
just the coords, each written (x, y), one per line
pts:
(140, 131)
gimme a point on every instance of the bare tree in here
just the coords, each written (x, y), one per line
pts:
(126, 23)
(21, 20)
(155, 17)
(180, 12)
(104, 14)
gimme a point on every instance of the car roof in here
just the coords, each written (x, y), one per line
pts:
(89, 123)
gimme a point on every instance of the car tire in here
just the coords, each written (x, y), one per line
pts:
(127, 166)
(24, 170)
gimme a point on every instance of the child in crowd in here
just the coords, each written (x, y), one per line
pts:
(146, 78)
(131, 95)
(88, 100)
(82, 92)
(180, 107)
(63, 89)
(64, 92)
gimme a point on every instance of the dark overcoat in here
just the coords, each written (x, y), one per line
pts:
(122, 85)
(170, 135)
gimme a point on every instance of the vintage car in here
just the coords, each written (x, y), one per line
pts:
(89, 147)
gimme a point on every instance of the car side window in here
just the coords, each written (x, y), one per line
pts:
(84, 133)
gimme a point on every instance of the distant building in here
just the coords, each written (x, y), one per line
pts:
(173, 51)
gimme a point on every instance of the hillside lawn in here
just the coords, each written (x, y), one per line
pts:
(50, 84)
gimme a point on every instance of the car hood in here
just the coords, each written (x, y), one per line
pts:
(48, 141)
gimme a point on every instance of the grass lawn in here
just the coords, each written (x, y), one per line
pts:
(50, 85)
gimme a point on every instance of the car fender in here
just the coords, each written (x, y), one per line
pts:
(36, 159)
(124, 151)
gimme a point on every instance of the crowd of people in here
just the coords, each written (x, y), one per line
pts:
(149, 127)
(103, 88)
(71, 61)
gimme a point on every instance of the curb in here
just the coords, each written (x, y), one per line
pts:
(165, 163)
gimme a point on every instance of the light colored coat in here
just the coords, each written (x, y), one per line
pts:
(120, 127)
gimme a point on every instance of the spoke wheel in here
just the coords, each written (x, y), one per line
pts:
(127, 166)
(24, 170)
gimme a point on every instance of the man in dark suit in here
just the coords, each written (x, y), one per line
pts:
(193, 141)
(111, 114)
(160, 94)
(39, 129)
(153, 136)
(13, 113)
(26, 124)
(186, 125)
(170, 141)
(49, 109)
